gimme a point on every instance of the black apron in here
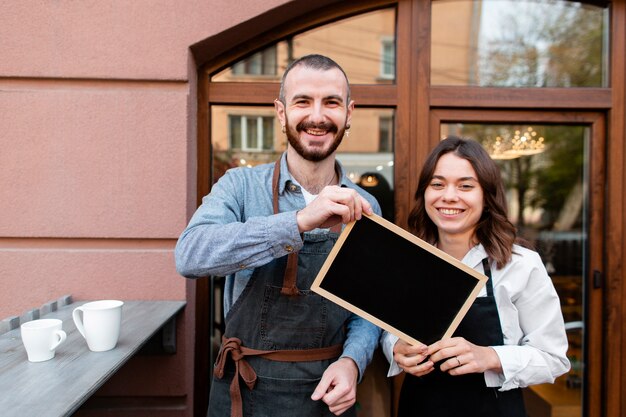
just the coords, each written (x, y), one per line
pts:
(439, 394)
(276, 316)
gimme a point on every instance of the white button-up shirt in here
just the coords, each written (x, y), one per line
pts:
(535, 343)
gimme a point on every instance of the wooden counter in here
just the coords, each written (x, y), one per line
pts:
(59, 386)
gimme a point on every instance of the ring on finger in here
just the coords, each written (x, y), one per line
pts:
(457, 361)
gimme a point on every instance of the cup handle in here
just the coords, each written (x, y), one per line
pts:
(78, 320)
(61, 335)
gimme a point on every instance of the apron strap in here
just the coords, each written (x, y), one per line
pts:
(291, 271)
(487, 269)
(232, 346)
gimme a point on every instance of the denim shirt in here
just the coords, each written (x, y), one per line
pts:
(234, 231)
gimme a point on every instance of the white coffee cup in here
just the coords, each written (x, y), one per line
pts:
(100, 323)
(41, 338)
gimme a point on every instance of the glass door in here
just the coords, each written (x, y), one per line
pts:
(553, 178)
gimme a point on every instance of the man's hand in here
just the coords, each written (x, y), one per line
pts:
(337, 388)
(333, 204)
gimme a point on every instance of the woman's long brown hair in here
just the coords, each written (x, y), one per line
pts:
(494, 230)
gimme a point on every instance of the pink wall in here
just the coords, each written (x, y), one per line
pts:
(97, 140)
(98, 161)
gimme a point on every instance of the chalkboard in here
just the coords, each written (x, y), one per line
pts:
(397, 281)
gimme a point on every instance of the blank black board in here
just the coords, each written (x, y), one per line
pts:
(397, 281)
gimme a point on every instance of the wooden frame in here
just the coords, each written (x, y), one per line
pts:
(422, 293)
(419, 109)
(596, 175)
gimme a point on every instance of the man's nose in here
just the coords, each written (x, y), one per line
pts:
(317, 113)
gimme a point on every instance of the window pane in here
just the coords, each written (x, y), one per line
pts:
(388, 64)
(268, 133)
(513, 43)
(252, 133)
(366, 154)
(363, 45)
(262, 63)
(546, 189)
(242, 135)
(368, 163)
(235, 132)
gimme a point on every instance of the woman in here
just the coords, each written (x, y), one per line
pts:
(513, 335)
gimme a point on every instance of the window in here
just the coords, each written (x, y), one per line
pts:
(462, 60)
(388, 59)
(251, 133)
(355, 43)
(519, 43)
(385, 134)
(261, 63)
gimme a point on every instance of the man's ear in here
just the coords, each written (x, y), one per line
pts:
(350, 109)
(280, 111)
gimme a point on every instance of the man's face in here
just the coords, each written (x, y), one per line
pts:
(315, 112)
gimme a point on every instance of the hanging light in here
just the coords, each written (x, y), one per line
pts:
(499, 148)
(527, 143)
(519, 144)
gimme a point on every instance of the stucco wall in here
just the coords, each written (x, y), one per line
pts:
(97, 140)
(98, 164)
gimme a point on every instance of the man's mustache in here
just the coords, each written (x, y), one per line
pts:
(327, 126)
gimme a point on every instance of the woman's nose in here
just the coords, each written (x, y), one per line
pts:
(450, 193)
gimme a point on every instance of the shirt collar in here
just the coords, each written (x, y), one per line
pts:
(475, 256)
(285, 177)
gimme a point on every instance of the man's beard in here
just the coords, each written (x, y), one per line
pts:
(314, 155)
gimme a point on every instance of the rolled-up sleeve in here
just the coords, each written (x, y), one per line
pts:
(361, 342)
(218, 241)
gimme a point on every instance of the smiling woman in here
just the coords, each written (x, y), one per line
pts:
(513, 335)
(454, 202)
(547, 199)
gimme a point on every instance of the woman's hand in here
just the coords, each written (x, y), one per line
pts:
(460, 357)
(410, 358)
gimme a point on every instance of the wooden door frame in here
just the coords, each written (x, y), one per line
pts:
(594, 335)
(418, 104)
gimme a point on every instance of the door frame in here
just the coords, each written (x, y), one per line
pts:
(593, 387)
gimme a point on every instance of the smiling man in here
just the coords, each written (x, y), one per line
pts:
(269, 229)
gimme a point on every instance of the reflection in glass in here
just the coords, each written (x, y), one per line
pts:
(547, 199)
(513, 43)
(363, 45)
(251, 135)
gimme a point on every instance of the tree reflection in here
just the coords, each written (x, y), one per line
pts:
(544, 44)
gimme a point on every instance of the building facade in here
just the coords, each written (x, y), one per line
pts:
(118, 117)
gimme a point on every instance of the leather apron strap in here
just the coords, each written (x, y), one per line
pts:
(291, 272)
(232, 346)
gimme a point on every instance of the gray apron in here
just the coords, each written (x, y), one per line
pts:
(280, 337)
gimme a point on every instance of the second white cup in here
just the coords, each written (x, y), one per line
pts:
(100, 323)
(41, 338)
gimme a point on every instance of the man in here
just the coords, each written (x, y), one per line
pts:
(266, 229)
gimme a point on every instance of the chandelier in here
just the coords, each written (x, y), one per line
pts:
(511, 146)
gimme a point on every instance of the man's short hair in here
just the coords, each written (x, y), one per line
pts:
(316, 62)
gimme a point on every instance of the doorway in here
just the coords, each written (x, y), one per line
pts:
(553, 168)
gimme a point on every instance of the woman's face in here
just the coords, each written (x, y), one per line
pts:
(454, 198)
